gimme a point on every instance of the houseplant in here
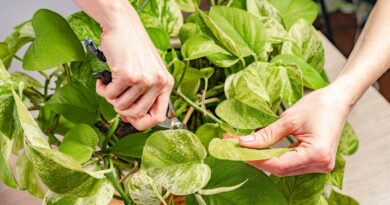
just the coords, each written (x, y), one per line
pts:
(239, 66)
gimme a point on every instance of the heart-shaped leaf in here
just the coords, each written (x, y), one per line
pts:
(80, 142)
(55, 42)
(230, 149)
(131, 145)
(159, 37)
(174, 159)
(201, 46)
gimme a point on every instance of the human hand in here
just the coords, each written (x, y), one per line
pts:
(316, 121)
(141, 85)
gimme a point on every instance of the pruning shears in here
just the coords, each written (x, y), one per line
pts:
(171, 121)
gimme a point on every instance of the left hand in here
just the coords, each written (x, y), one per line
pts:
(316, 121)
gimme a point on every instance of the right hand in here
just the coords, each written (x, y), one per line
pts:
(141, 85)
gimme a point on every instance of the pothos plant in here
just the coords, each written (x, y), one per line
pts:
(238, 67)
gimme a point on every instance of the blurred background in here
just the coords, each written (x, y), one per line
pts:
(340, 20)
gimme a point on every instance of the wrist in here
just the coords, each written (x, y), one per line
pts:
(347, 90)
(116, 14)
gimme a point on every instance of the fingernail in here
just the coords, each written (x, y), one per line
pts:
(249, 138)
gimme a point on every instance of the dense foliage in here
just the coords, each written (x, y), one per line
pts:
(241, 64)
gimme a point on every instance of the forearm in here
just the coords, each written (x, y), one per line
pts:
(370, 57)
(110, 14)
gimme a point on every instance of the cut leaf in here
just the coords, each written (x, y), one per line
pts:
(27, 176)
(174, 159)
(258, 190)
(55, 42)
(80, 143)
(230, 149)
(242, 116)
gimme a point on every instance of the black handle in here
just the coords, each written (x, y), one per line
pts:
(92, 48)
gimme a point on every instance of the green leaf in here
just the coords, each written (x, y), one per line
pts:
(102, 197)
(191, 81)
(22, 34)
(6, 175)
(159, 37)
(131, 145)
(47, 121)
(275, 31)
(188, 30)
(199, 46)
(306, 44)
(142, 189)
(76, 102)
(230, 149)
(349, 142)
(262, 8)
(85, 27)
(293, 10)
(337, 175)
(34, 135)
(258, 86)
(337, 198)
(207, 132)
(188, 5)
(292, 84)
(27, 80)
(79, 143)
(258, 190)
(9, 123)
(242, 116)
(27, 176)
(311, 77)
(174, 159)
(62, 174)
(55, 42)
(207, 72)
(301, 189)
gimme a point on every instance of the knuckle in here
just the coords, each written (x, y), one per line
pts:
(145, 82)
(170, 81)
(292, 120)
(323, 155)
(328, 167)
(161, 79)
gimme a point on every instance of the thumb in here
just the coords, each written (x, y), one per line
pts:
(269, 135)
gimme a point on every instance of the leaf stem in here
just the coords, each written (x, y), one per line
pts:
(196, 107)
(18, 58)
(111, 131)
(110, 176)
(68, 72)
(183, 74)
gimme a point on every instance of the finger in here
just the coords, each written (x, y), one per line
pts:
(143, 104)
(100, 87)
(156, 115)
(123, 102)
(114, 89)
(269, 135)
(293, 160)
(309, 170)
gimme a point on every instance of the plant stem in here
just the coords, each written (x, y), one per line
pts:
(68, 72)
(183, 74)
(196, 107)
(110, 133)
(44, 75)
(134, 169)
(188, 115)
(212, 2)
(290, 139)
(110, 176)
(206, 83)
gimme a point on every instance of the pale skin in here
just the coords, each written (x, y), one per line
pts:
(141, 87)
